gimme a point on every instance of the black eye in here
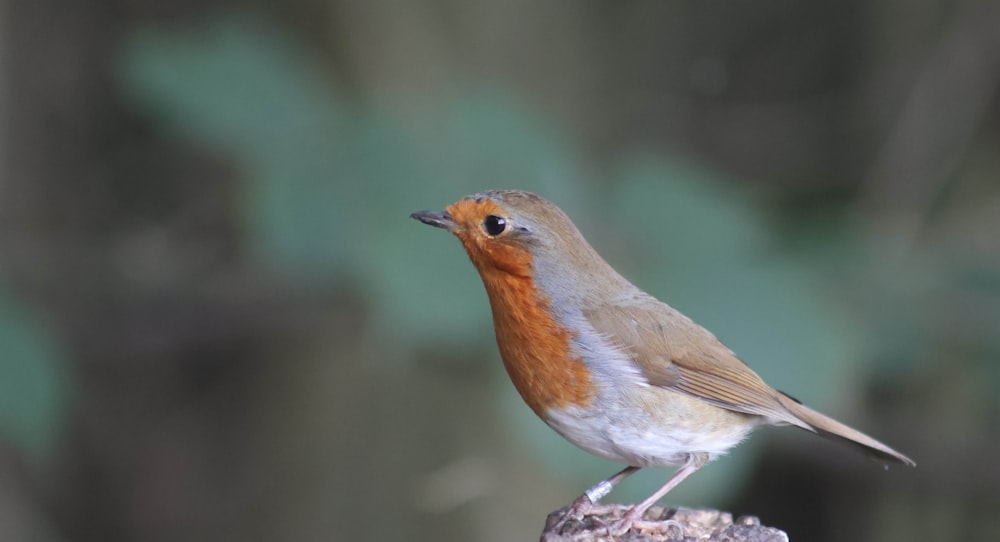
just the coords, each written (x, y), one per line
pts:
(494, 225)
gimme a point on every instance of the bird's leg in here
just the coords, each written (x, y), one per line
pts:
(602, 488)
(634, 515)
(585, 503)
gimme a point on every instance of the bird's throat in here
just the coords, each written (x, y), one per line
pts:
(535, 348)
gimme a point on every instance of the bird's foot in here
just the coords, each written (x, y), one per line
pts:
(579, 508)
(634, 520)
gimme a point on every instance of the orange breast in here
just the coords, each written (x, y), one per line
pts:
(534, 347)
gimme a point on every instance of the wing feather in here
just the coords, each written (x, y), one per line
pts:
(675, 353)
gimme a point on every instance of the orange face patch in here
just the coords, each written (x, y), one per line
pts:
(470, 213)
(534, 347)
(487, 252)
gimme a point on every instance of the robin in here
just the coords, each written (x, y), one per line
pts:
(610, 368)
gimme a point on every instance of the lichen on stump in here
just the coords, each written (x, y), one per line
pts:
(659, 525)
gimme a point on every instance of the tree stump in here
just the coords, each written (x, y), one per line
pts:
(660, 524)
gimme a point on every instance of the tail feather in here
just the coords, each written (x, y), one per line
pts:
(829, 427)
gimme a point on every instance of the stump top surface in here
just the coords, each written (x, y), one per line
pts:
(661, 524)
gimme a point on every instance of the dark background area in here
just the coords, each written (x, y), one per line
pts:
(217, 321)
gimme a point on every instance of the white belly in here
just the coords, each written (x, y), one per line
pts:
(659, 428)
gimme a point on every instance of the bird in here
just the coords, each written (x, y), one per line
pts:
(609, 367)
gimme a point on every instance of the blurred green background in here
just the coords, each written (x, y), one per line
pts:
(217, 321)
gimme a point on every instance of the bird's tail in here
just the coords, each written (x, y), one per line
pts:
(831, 428)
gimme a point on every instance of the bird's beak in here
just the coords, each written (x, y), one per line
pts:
(438, 219)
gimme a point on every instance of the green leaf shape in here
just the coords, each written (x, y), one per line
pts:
(34, 381)
(240, 87)
(330, 184)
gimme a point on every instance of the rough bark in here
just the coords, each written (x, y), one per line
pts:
(661, 524)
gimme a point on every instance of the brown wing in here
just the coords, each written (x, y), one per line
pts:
(674, 352)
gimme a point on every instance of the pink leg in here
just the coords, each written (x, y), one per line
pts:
(694, 462)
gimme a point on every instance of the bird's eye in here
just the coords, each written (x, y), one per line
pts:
(494, 225)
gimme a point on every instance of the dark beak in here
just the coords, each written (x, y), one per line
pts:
(438, 219)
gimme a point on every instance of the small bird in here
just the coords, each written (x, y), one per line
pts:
(610, 368)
